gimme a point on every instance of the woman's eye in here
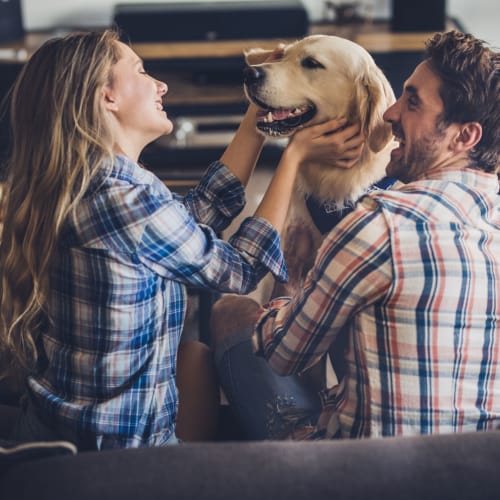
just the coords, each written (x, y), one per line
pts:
(311, 63)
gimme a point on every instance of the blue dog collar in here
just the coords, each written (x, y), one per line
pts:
(326, 215)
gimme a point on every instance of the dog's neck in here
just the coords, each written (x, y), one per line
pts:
(343, 185)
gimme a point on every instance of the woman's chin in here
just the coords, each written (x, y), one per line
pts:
(169, 127)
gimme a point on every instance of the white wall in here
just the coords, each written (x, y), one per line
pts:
(480, 17)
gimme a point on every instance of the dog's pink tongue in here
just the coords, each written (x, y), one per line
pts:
(280, 114)
(277, 114)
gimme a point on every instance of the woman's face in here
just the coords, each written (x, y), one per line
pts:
(135, 100)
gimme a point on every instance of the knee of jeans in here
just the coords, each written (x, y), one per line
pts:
(230, 314)
(218, 325)
(284, 415)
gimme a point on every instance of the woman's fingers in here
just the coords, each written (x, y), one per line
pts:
(333, 143)
(327, 128)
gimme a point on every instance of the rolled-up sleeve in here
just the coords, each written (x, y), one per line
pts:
(217, 199)
(176, 245)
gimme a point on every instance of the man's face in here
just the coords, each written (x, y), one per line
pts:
(415, 119)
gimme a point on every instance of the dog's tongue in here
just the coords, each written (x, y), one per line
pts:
(280, 114)
(277, 114)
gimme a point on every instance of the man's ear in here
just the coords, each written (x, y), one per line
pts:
(108, 99)
(468, 135)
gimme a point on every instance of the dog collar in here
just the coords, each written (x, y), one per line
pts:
(326, 214)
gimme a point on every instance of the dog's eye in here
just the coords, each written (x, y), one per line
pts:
(311, 63)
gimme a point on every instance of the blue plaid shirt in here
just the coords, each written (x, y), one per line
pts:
(108, 355)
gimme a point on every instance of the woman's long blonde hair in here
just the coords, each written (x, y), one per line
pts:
(60, 141)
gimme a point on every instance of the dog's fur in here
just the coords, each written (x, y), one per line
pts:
(323, 77)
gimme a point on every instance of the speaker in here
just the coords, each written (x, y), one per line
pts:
(424, 15)
(11, 24)
(209, 21)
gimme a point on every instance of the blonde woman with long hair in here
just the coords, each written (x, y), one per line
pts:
(96, 253)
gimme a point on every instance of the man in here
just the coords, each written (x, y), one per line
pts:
(411, 278)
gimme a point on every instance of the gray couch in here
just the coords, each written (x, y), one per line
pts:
(453, 467)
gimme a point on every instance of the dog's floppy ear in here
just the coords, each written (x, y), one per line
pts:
(374, 95)
(256, 56)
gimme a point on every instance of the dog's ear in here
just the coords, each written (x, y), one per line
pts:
(374, 95)
(256, 56)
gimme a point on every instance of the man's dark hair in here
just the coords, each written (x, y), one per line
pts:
(469, 72)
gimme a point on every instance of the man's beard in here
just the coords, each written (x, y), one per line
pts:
(419, 157)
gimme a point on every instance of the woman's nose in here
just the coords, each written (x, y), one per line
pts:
(162, 87)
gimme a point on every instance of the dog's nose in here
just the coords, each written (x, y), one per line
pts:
(253, 74)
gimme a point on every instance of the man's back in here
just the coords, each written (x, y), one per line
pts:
(422, 358)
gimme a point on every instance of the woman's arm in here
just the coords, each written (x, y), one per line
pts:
(241, 155)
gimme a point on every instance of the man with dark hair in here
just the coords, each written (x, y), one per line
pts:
(469, 89)
(411, 278)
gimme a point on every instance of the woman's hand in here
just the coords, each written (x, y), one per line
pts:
(330, 143)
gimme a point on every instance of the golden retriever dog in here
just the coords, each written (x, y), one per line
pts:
(318, 78)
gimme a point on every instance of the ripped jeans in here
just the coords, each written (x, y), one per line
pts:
(267, 405)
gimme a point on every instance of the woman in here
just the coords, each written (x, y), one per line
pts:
(96, 252)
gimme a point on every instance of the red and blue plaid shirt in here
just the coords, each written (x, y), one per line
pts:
(412, 277)
(118, 301)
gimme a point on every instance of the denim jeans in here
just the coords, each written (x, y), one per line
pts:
(267, 405)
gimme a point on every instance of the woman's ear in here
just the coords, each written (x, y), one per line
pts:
(108, 99)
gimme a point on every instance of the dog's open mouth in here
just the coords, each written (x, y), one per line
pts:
(283, 121)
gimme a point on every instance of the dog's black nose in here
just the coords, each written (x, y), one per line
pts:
(253, 74)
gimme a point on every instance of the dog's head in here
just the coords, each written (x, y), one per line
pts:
(319, 78)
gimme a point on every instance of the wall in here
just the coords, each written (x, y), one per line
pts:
(480, 17)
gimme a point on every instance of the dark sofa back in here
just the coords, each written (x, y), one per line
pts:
(444, 467)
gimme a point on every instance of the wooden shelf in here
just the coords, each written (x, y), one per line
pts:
(373, 36)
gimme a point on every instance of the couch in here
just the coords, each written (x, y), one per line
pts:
(444, 467)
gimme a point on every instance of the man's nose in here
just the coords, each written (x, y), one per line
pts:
(391, 113)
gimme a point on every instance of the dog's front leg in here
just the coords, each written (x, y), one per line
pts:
(298, 250)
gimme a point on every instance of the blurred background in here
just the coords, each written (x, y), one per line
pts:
(479, 17)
